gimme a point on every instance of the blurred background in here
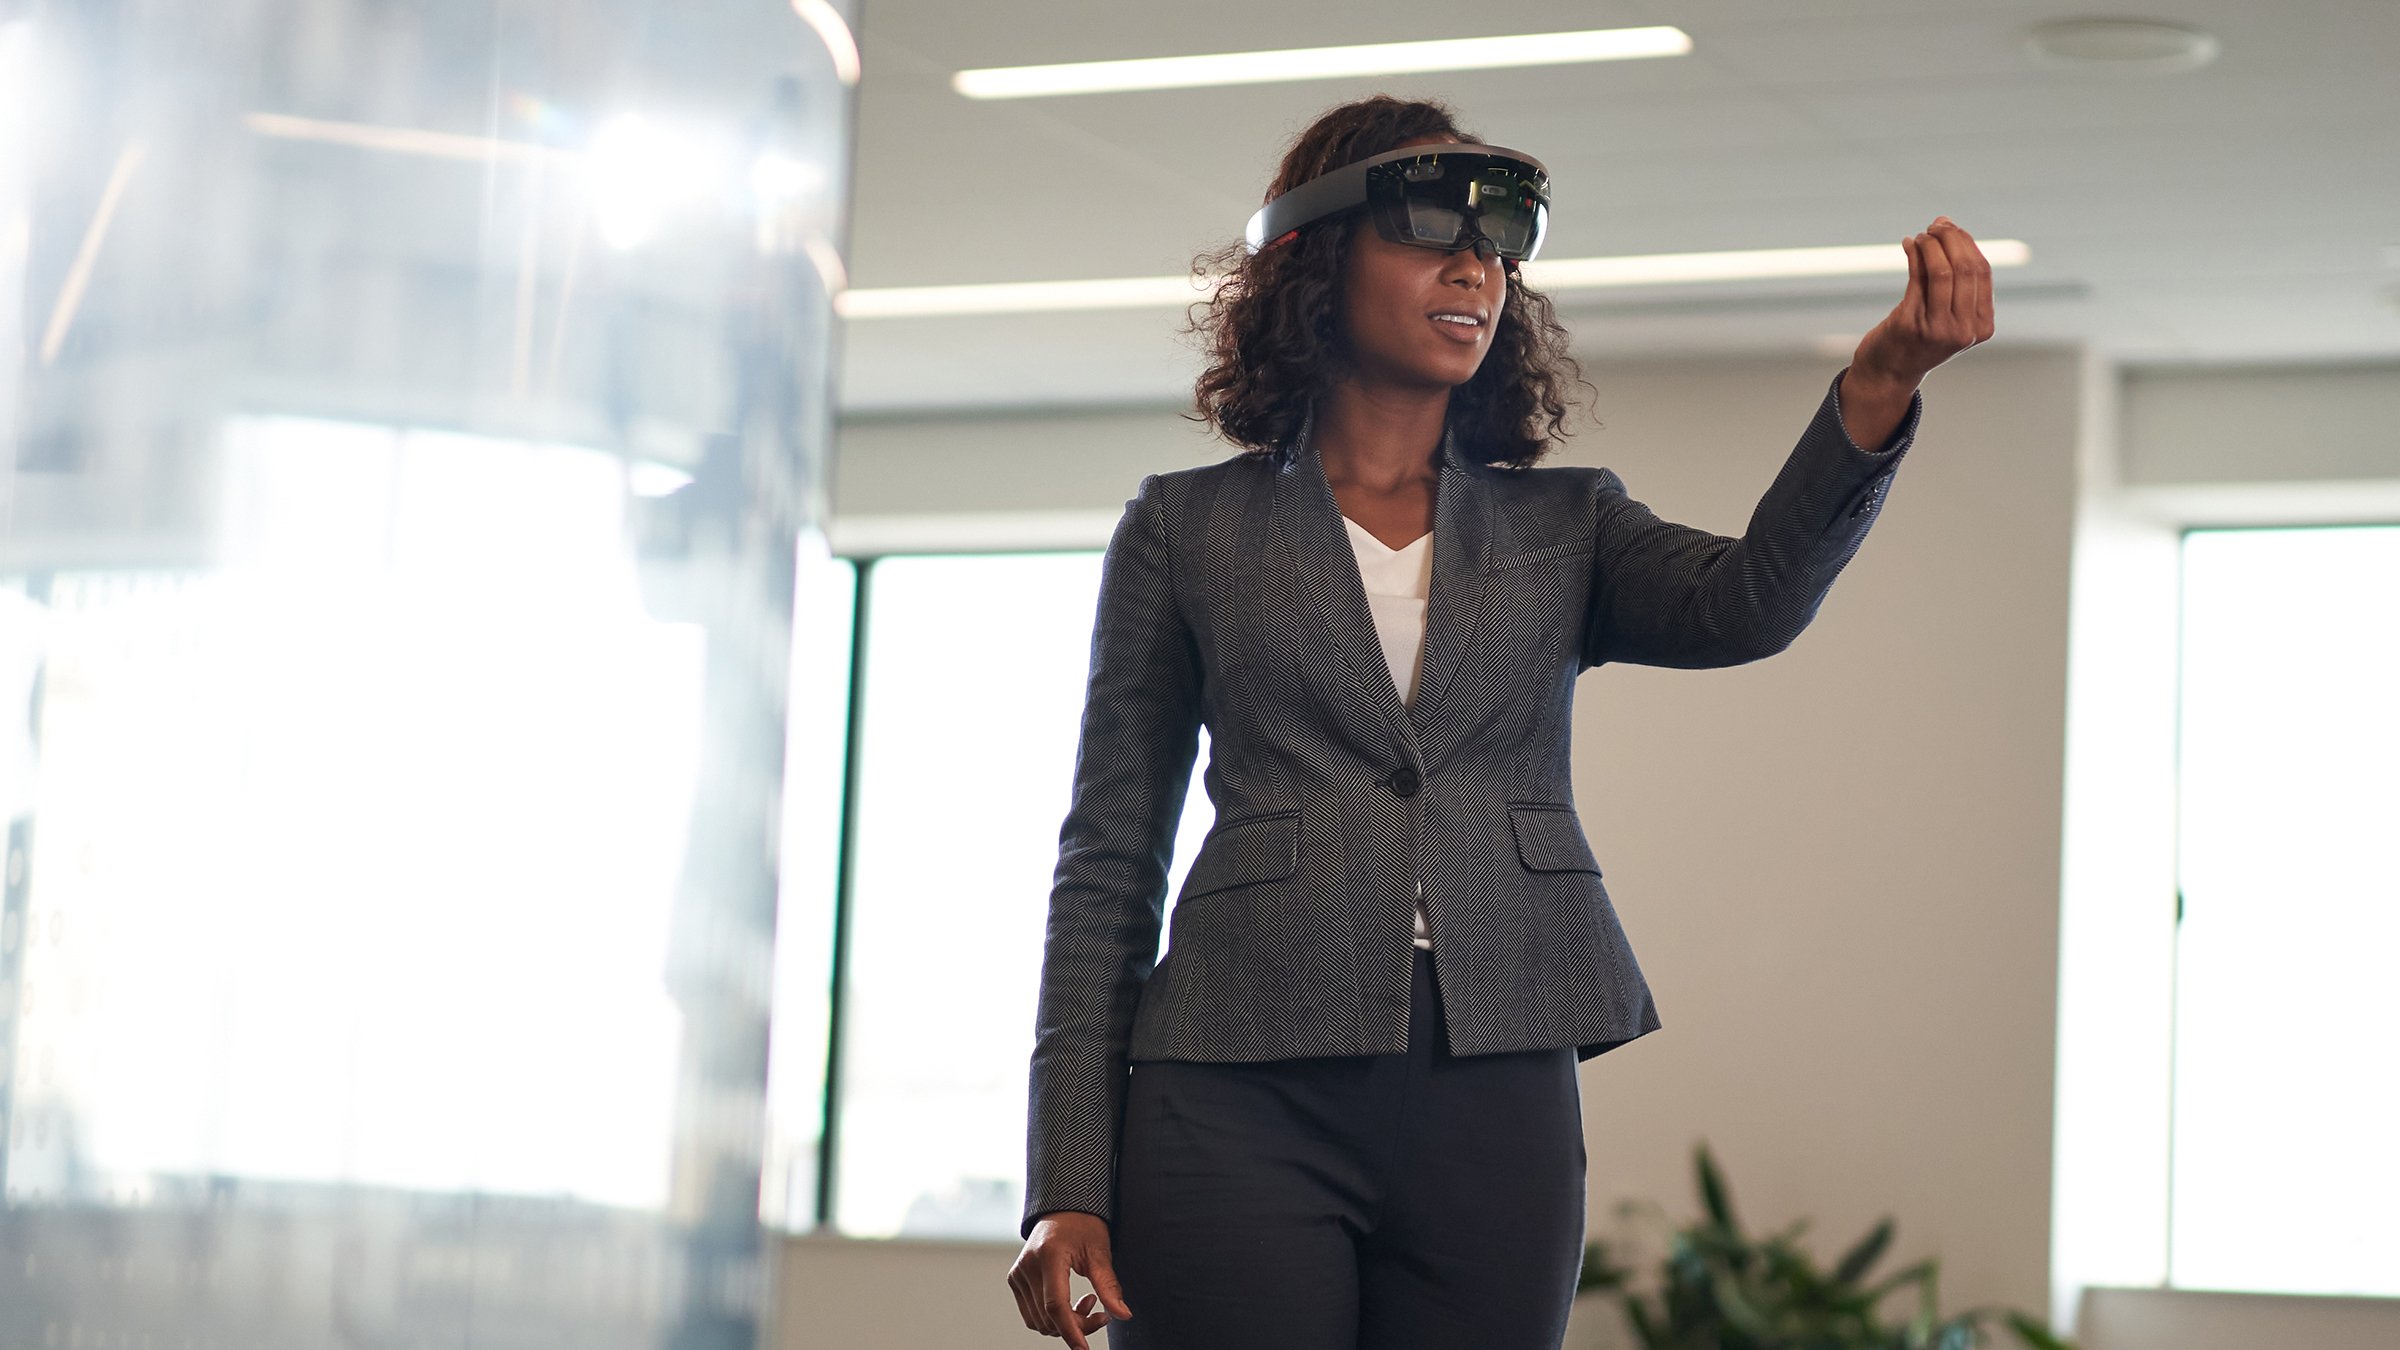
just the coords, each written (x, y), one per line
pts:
(547, 559)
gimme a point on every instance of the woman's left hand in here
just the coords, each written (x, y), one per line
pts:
(1946, 308)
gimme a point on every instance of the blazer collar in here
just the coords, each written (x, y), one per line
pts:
(1328, 571)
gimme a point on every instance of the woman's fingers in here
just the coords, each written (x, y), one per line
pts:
(1088, 1318)
(1983, 291)
(1095, 1316)
(1971, 273)
(1945, 308)
(1912, 300)
(1062, 1319)
(1028, 1295)
(1938, 300)
(1026, 1308)
(1966, 262)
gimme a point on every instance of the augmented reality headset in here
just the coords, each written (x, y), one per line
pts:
(1445, 197)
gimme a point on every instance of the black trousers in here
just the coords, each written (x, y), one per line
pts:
(1419, 1201)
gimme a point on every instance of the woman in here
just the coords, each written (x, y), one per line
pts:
(1342, 1109)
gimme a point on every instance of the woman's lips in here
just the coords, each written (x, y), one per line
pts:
(1466, 333)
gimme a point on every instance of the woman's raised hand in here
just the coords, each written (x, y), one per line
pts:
(1063, 1241)
(1946, 308)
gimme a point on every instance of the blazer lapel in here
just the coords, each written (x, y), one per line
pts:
(1462, 554)
(1327, 570)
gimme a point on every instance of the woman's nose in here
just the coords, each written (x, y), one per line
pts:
(1473, 274)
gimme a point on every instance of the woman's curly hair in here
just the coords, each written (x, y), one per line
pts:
(1272, 331)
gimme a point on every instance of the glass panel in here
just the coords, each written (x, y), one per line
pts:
(410, 421)
(968, 762)
(2286, 1010)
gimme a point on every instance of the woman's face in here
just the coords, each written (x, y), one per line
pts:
(1392, 295)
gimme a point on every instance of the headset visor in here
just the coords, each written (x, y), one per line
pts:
(1444, 200)
(1443, 197)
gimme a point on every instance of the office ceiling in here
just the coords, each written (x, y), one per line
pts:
(2245, 212)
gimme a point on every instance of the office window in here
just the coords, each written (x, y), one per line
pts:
(2287, 1079)
(972, 699)
(818, 734)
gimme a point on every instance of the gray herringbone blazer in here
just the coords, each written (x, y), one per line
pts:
(1230, 597)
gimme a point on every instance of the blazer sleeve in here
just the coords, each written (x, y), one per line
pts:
(1664, 594)
(1133, 766)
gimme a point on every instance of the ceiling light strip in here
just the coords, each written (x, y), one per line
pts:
(402, 140)
(1563, 274)
(1021, 297)
(1760, 264)
(1317, 63)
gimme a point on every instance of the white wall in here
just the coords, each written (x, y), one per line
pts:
(1840, 867)
(2262, 424)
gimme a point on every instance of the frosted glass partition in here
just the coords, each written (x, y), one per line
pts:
(412, 422)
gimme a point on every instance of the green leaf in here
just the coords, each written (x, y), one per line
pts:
(1600, 1271)
(1712, 1192)
(1920, 1327)
(1652, 1337)
(1870, 1249)
(1808, 1288)
(1919, 1274)
(1744, 1315)
(2035, 1334)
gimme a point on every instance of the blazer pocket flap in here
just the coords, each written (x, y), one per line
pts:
(1241, 852)
(1550, 839)
(1572, 548)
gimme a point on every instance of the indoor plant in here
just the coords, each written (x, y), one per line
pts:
(1722, 1290)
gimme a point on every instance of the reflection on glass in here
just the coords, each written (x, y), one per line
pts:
(2286, 1010)
(325, 846)
(972, 701)
(412, 422)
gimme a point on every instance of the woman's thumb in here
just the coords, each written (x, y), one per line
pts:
(1104, 1283)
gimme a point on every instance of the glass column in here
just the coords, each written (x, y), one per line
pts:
(412, 424)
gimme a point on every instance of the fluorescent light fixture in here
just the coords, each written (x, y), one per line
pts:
(1758, 264)
(1563, 274)
(1320, 63)
(1021, 297)
(400, 140)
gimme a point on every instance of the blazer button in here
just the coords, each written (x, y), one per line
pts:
(1403, 782)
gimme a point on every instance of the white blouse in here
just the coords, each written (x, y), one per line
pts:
(1397, 582)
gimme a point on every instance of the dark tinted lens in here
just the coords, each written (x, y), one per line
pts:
(1443, 202)
(1510, 212)
(1434, 223)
